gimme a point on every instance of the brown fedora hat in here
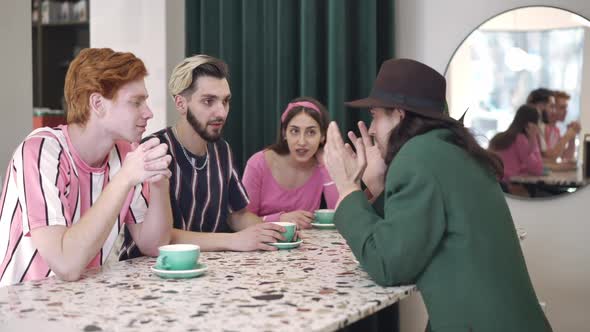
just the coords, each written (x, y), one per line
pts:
(409, 85)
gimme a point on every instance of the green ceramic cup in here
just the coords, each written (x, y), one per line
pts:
(324, 216)
(178, 257)
(290, 228)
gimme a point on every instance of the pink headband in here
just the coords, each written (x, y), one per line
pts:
(305, 104)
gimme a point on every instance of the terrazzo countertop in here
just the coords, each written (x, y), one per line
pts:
(316, 287)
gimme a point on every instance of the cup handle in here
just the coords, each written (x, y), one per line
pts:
(161, 263)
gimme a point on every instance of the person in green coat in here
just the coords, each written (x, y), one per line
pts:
(443, 222)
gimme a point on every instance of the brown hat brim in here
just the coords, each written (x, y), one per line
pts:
(369, 102)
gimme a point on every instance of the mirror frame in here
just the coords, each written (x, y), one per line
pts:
(521, 198)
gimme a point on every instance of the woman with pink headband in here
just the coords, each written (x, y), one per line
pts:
(287, 181)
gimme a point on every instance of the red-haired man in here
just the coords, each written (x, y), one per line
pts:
(69, 190)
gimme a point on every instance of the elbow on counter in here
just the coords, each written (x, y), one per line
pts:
(384, 279)
(378, 271)
(68, 274)
(152, 250)
(385, 267)
(381, 271)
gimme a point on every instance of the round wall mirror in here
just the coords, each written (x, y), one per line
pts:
(519, 83)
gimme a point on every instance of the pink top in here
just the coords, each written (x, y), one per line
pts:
(521, 158)
(269, 200)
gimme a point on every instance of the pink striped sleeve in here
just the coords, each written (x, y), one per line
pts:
(43, 186)
(548, 130)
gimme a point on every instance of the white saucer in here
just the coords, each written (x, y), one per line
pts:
(326, 226)
(180, 274)
(287, 245)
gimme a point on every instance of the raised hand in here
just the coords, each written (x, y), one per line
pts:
(345, 167)
(575, 126)
(148, 162)
(374, 175)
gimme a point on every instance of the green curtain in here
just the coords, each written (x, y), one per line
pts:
(281, 49)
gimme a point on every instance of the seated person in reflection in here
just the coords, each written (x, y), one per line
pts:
(552, 132)
(70, 189)
(207, 197)
(518, 146)
(287, 181)
(445, 224)
(544, 101)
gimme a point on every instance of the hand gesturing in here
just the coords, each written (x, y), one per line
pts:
(344, 165)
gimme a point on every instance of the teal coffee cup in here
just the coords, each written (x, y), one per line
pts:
(324, 216)
(178, 257)
(290, 229)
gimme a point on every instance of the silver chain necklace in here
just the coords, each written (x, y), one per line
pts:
(190, 161)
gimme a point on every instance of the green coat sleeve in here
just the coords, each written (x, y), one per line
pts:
(378, 204)
(395, 249)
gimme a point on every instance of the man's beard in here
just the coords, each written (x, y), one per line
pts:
(201, 129)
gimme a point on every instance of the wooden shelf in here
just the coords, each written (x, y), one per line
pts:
(55, 45)
(60, 24)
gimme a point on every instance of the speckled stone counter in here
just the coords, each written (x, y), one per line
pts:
(316, 287)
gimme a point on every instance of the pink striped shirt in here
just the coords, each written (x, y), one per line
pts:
(269, 200)
(552, 135)
(46, 184)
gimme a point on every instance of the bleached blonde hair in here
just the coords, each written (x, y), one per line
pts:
(184, 76)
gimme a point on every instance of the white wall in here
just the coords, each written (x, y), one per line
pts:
(16, 77)
(535, 18)
(154, 31)
(585, 90)
(556, 248)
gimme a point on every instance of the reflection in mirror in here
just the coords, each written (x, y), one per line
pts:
(521, 75)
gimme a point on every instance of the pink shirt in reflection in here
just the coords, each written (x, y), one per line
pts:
(521, 158)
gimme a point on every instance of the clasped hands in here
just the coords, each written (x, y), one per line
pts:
(347, 166)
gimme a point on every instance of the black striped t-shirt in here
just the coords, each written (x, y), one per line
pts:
(201, 200)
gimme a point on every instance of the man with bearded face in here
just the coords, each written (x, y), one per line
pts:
(553, 145)
(207, 197)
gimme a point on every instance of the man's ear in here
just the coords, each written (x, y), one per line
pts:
(181, 104)
(97, 104)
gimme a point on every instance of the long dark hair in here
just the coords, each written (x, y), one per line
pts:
(280, 146)
(414, 124)
(524, 115)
